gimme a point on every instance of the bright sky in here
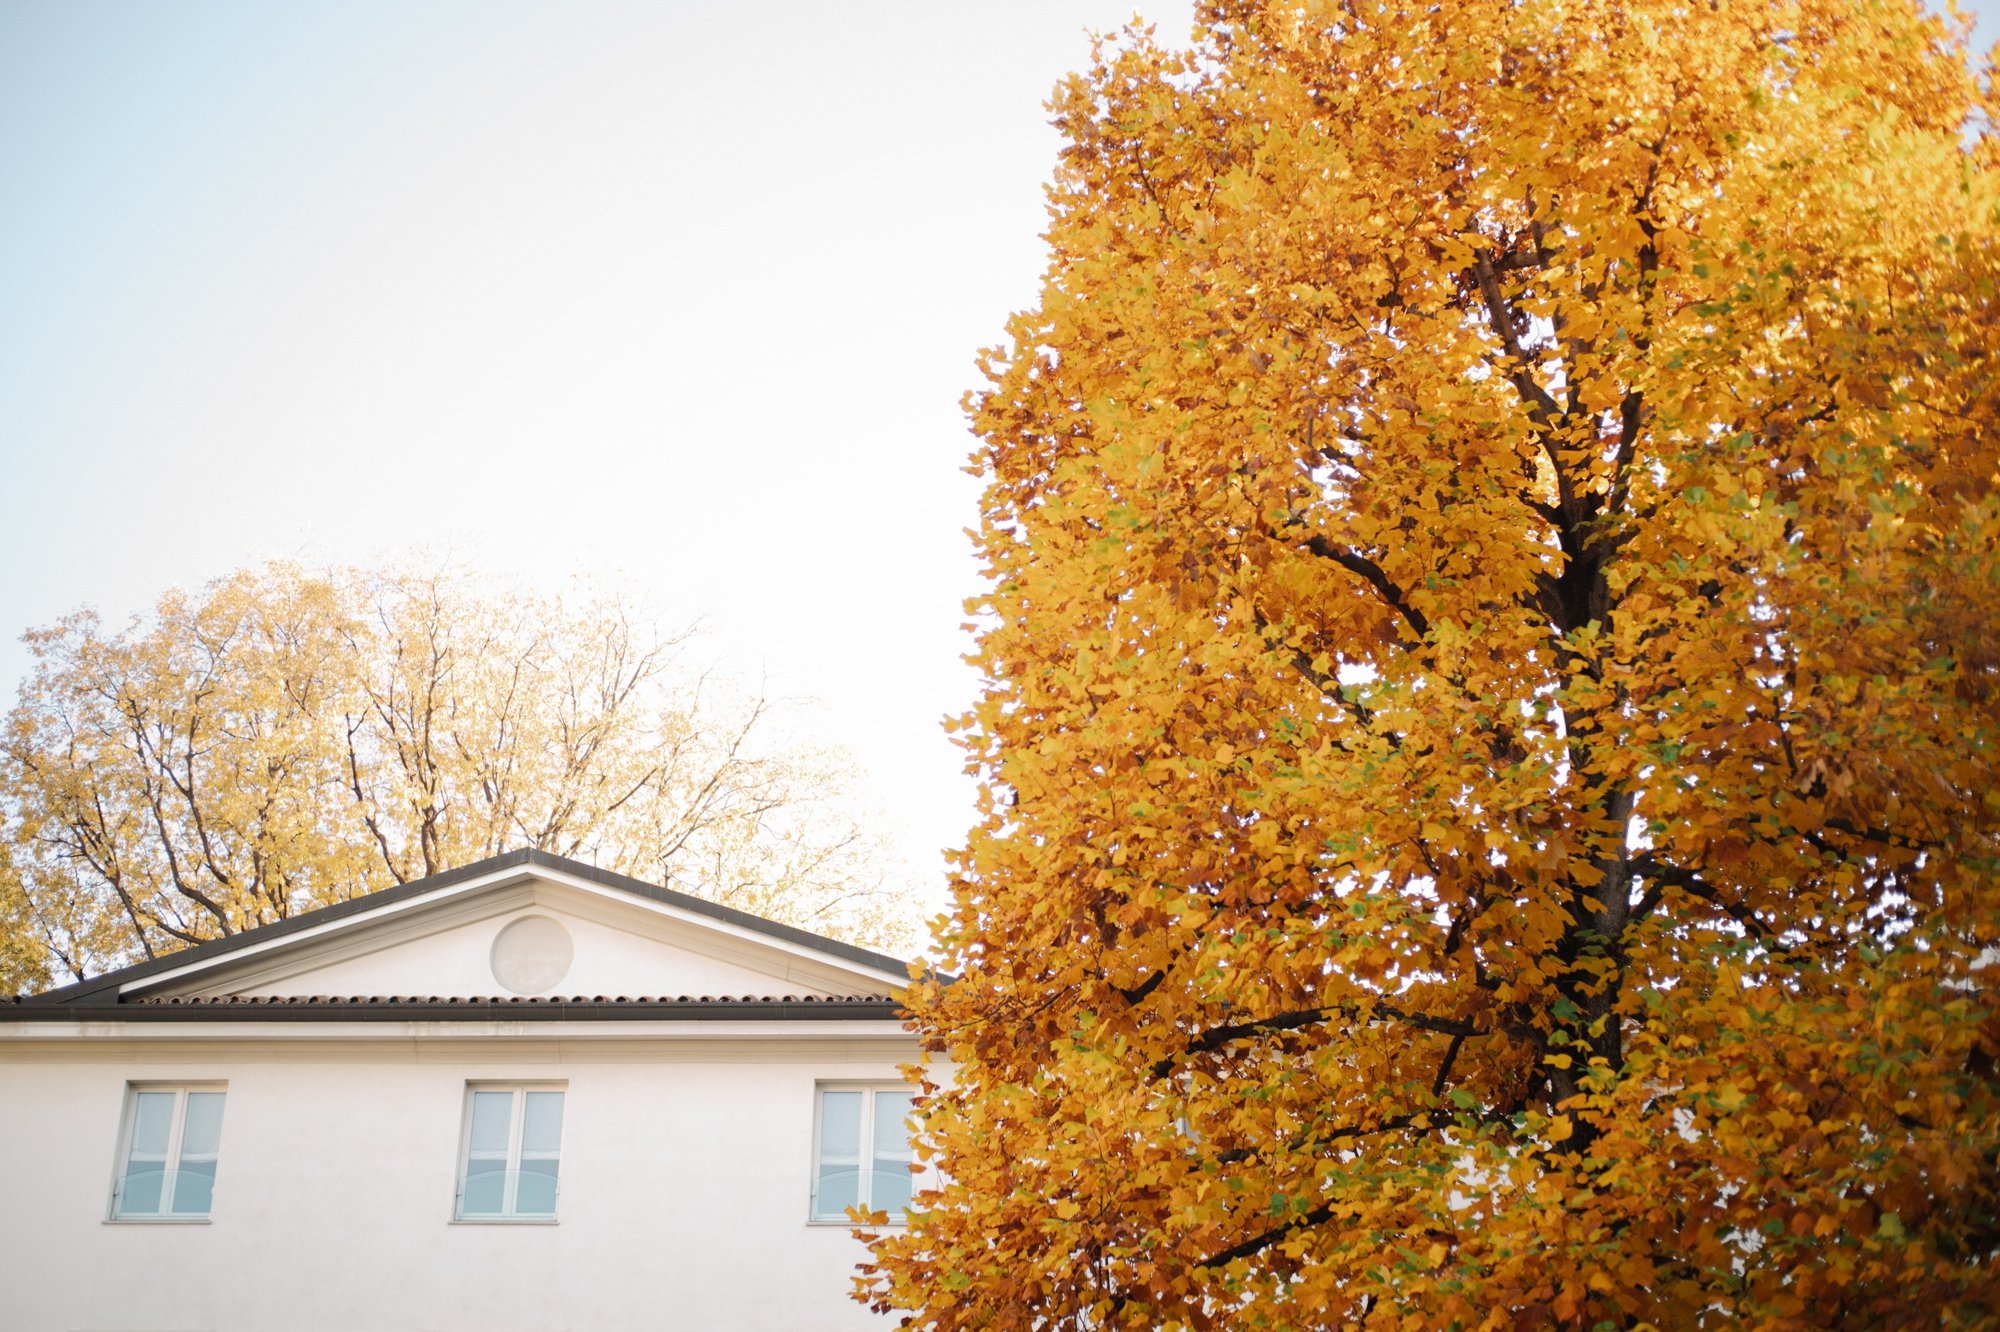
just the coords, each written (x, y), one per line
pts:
(681, 291)
(687, 293)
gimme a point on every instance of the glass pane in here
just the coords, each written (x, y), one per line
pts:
(535, 1190)
(837, 1186)
(889, 1184)
(202, 1133)
(194, 1188)
(840, 1127)
(484, 1190)
(152, 1123)
(890, 1188)
(541, 1130)
(491, 1113)
(146, 1162)
(139, 1194)
(837, 1189)
(892, 1134)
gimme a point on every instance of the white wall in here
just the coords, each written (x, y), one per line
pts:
(442, 944)
(684, 1187)
(606, 960)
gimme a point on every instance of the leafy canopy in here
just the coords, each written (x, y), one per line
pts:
(1490, 707)
(283, 739)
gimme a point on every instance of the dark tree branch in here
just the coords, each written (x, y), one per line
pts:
(1143, 988)
(1320, 1137)
(1886, 837)
(1541, 403)
(1322, 1214)
(1663, 875)
(1371, 573)
(1216, 1037)
(1257, 1243)
(1444, 1065)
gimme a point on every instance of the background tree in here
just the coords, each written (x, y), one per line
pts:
(22, 965)
(1491, 688)
(285, 739)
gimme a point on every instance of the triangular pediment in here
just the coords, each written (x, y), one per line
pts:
(521, 926)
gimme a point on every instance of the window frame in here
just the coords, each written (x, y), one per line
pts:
(517, 1115)
(121, 1166)
(870, 1091)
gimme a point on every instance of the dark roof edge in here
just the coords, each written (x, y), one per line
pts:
(103, 990)
(851, 1010)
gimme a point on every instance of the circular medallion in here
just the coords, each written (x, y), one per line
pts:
(532, 955)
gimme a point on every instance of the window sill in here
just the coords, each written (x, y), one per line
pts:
(155, 1221)
(505, 1221)
(846, 1224)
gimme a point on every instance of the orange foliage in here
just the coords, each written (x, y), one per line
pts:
(1491, 700)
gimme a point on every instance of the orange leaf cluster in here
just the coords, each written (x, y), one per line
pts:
(1491, 697)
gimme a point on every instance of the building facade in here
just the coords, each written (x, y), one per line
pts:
(527, 1094)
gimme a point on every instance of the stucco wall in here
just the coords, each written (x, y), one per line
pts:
(684, 1187)
(606, 960)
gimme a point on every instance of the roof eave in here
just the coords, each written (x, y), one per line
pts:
(446, 1010)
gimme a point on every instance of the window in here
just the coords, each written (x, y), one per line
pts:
(513, 1147)
(861, 1154)
(167, 1156)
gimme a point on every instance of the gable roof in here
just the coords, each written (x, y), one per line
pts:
(126, 989)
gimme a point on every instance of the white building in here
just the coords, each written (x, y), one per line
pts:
(526, 1094)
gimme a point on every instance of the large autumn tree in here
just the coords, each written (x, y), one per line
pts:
(282, 739)
(1492, 685)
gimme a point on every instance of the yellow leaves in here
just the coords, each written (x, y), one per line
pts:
(279, 740)
(1456, 252)
(1561, 704)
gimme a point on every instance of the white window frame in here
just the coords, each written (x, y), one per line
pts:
(516, 1120)
(867, 1191)
(171, 1167)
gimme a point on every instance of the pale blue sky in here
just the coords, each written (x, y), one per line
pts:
(683, 292)
(686, 292)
